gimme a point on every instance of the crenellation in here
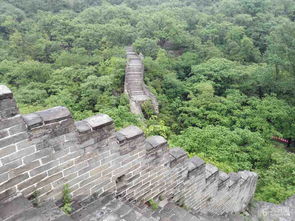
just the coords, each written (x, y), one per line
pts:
(55, 114)
(32, 120)
(44, 150)
(5, 93)
(195, 167)
(8, 106)
(155, 142)
(177, 155)
(211, 173)
(233, 179)
(223, 180)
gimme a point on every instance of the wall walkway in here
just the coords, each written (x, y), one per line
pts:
(135, 87)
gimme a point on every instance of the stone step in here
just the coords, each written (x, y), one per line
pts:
(14, 207)
(134, 77)
(32, 214)
(137, 94)
(21, 209)
(134, 80)
(136, 87)
(109, 210)
(140, 76)
(52, 212)
(134, 70)
(171, 212)
(134, 63)
(138, 91)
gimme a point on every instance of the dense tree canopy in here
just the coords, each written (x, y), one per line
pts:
(223, 72)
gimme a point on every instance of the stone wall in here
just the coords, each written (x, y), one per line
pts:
(134, 85)
(42, 151)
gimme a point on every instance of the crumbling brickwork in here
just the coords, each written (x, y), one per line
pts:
(42, 151)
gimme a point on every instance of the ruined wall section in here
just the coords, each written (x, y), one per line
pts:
(42, 151)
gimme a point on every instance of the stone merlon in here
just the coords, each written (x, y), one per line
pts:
(128, 133)
(210, 171)
(177, 155)
(5, 92)
(82, 126)
(194, 165)
(33, 120)
(155, 142)
(99, 121)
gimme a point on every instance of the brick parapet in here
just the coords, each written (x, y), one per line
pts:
(42, 151)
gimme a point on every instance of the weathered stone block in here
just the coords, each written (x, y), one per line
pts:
(7, 123)
(10, 166)
(3, 177)
(5, 92)
(32, 120)
(8, 108)
(233, 179)
(13, 139)
(37, 155)
(43, 168)
(31, 181)
(17, 129)
(128, 133)
(83, 126)
(54, 114)
(13, 181)
(99, 121)
(3, 134)
(11, 192)
(18, 155)
(25, 168)
(155, 142)
(211, 172)
(223, 180)
(50, 179)
(177, 155)
(7, 150)
(195, 166)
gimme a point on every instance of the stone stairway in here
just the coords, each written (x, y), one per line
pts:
(263, 211)
(102, 209)
(113, 209)
(134, 83)
(109, 209)
(21, 209)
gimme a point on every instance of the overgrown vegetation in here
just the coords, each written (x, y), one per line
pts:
(67, 200)
(34, 198)
(223, 72)
(153, 204)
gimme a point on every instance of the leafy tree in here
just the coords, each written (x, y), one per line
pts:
(146, 46)
(281, 51)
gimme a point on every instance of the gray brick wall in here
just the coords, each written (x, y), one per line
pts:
(42, 151)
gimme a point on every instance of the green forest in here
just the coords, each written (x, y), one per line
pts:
(223, 72)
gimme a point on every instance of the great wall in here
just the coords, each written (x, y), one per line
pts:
(112, 175)
(135, 87)
(42, 151)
